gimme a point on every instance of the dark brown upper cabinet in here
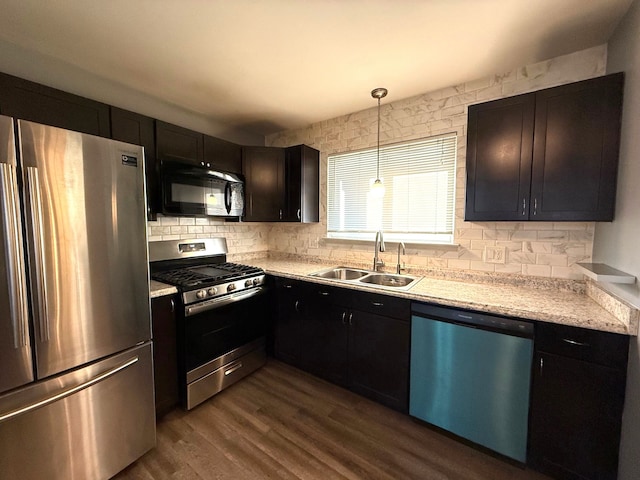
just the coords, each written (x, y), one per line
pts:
(222, 155)
(302, 184)
(138, 129)
(550, 155)
(282, 184)
(263, 169)
(178, 144)
(31, 101)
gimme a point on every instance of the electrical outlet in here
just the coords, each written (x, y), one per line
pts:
(495, 254)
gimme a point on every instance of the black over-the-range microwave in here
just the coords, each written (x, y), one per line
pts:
(188, 189)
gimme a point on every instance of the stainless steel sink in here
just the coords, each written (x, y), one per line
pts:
(365, 277)
(341, 273)
(386, 280)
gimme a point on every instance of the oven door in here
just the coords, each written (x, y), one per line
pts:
(223, 344)
(191, 190)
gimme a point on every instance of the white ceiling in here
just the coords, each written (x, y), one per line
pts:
(268, 65)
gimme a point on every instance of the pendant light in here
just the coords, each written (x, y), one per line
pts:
(377, 188)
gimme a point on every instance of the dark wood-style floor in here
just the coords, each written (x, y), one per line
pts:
(281, 423)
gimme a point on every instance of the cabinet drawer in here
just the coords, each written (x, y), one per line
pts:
(324, 294)
(604, 348)
(386, 305)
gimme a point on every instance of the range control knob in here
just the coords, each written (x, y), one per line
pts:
(212, 291)
(201, 293)
(248, 283)
(231, 287)
(256, 281)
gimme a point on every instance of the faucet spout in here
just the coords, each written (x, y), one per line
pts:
(398, 268)
(378, 247)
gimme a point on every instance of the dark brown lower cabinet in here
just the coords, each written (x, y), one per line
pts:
(320, 330)
(578, 391)
(165, 361)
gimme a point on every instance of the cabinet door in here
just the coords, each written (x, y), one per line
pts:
(499, 151)
(222, 155)
(379, 359)
(174, 143)
(165, 362)
(326, 335)
(576, 412)
(289, 324)
(134, 128)
(37, 103)
(263, 168)
(302, 184)
(575, 155)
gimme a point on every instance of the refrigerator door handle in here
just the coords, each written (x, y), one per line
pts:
(70, 391)
(33, 186)
(16, 279)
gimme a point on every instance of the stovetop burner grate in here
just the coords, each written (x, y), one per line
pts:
(218, 273)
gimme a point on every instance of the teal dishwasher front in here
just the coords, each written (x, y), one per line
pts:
(471, 374)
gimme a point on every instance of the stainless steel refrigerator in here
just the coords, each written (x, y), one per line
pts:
(76, 377)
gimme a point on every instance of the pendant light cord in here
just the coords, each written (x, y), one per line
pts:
(378, 162)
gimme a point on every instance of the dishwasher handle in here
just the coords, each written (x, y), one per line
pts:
(509, 326)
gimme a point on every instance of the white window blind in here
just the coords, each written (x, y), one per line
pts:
(419, 201)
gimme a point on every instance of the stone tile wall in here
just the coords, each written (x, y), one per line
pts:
(532, 248)
(243, 239)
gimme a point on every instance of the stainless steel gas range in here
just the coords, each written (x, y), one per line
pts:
(221, 320)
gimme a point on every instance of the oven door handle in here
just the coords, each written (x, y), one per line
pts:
(221, 302)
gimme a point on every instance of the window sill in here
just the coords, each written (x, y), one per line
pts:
(345, 242)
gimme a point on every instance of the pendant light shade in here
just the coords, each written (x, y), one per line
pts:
(377, 187)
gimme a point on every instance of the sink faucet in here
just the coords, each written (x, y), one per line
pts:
(398, 268)
(378, 246)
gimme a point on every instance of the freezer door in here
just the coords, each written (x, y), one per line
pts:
(87, 424)
(87, 247)
(15, 349)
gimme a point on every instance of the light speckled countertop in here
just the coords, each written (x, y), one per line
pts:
(547, 305)
(159, 289)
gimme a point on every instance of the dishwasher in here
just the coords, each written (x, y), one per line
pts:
(471, 375)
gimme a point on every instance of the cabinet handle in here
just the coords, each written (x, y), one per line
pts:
(535, 206)
(173, 305)
(298, 214)
(541, 365)
(296, 305)
(573, 342)
(344, 316)
(351, 319)
(377, 304)
(287, 285)
(280, 214)
(324, 294)
(524, 207)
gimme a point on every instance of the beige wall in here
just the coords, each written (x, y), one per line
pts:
(533, 248)
(616, 243)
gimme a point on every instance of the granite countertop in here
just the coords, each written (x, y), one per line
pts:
(548, 305)
(159, 289)
(597, 311)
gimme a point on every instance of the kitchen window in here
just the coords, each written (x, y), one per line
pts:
(419, 201)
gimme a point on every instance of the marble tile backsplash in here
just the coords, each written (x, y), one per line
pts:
(542, 249)
(242, 238)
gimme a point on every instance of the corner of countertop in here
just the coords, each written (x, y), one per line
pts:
(619, 308)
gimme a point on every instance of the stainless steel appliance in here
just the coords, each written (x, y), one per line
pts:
(222, 316)
(189, 189)
(76, 382)
(470, 375)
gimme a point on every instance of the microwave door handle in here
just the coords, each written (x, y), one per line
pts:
(227, 197)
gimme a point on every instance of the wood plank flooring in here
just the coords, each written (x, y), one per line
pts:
(281, 423)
